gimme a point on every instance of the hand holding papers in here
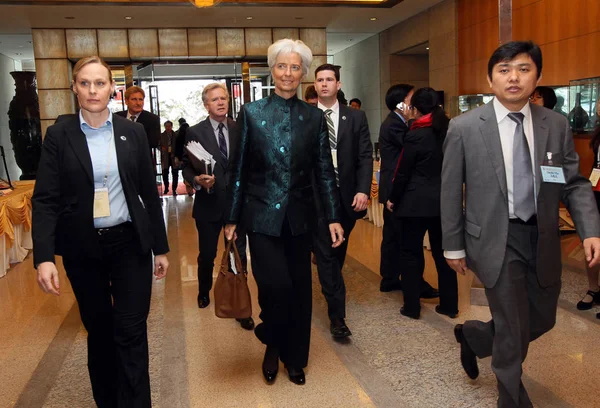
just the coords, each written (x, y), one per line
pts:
(201, 160)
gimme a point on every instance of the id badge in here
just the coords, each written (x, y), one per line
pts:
(101, 204)
(334, 158)
(553, 174)
(594, 177)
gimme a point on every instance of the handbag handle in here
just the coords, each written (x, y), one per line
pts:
(236, 255)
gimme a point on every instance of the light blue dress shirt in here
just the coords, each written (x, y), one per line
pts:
(401, 118)
(99, 141)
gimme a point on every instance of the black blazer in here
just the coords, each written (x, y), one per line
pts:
(417, 186)
(210, 207)
(151, 124)
(355, 157)
(391, 137)
(63, 198)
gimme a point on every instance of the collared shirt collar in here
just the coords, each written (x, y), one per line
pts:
(335, 108)
(215, 124)
(401, 118)
(109, 121)
(502, 112)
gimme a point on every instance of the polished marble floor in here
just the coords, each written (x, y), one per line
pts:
(198, 360)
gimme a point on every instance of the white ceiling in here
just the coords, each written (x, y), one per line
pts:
(345, 26)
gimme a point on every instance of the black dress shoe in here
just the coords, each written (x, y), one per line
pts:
(338, 329)
(296, 375)
(468, 358)
(270, 365)
(247, 324)
(430, 293)
(388, 287)
(203, 301)
(406, 313)
(581, 305)
(451, 315)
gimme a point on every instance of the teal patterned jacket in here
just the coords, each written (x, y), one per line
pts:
(281, 144)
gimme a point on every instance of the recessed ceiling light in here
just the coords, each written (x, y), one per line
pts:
(249, 18)
(128, 18)
(373, 18)
(427, 48)
(70, 18)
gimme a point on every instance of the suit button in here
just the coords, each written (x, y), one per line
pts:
(282, 149)
(286, 129)
(278, 206)
(286, 110)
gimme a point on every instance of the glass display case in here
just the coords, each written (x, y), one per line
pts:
(583, 98)
(466, 103)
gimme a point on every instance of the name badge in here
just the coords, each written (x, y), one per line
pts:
(334, 157)
(101, 204)
(553, 174)
(594, 177)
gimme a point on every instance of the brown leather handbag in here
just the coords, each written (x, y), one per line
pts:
(232, 296)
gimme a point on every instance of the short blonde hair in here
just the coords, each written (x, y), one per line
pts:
(289, 46)
(211, 87)
(134, 89)
(93, 59)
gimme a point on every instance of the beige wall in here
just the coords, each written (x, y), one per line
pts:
(437, 26)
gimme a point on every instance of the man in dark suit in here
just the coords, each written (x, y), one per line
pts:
(391, 137)
(216, 134)
(352, 154)
(499, 157)
(134, 99)
(167, 158)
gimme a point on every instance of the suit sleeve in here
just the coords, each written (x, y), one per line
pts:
(325, 175)
(237, 180)
(364, 171)
(577, 195)
(405, 165)
(153, 130)
(149, 195)
(188, 170)
(453, 176)
(46, 201)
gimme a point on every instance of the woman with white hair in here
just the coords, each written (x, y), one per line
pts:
(283, 142)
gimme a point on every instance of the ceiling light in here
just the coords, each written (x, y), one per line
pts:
(427, 48)
(249, 18)
(373, 18)
(18, 53)
(70, 18)
(128, 18)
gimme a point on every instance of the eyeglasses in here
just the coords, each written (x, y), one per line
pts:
(535, 97)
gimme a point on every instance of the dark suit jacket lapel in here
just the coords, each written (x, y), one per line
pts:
(209, 142)
(344, 124)
(78, 142)
(540, 139)
(491, 137)
(120, 149)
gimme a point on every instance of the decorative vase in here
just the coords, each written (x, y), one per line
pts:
(24, 124)
(578, 117)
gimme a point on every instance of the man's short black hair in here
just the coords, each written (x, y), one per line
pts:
(181, 121)
(329, 67)
(168, 122)
(396, 94)
(356, 100)
(507, 52)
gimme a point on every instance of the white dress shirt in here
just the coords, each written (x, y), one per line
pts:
(506, 128)
(129, 115)
(335, 115)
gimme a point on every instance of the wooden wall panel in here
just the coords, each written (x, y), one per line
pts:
(49, 43)
(472, 78)
(521, 3)
(143, 43)
(52, 73)
(569, 59)
(230, 42)
(81, 43)
(281, 33)
(113, 43)
(471, 12)
(202, 42)
(477, 42)
(315, 39)
(173, 42)
(258, 41)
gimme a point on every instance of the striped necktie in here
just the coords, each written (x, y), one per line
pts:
(222, 142)
(133, 118)
(332, 140)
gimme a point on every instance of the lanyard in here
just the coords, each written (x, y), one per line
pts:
(109, 158)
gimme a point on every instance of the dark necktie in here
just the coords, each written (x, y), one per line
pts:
(132, 118)
(332, 140)
(222, 142)
(523, 189)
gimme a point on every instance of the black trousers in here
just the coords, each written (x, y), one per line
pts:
(412, 232)
(330, 262)
(208, 241)
(113, 294)
(174, 174)
(522, 311)
(281, 268)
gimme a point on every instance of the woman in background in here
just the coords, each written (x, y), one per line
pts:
(543, 96)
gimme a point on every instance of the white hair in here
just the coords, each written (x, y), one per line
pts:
(288, 46)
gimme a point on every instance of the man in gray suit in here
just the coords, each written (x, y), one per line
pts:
(517, 162)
